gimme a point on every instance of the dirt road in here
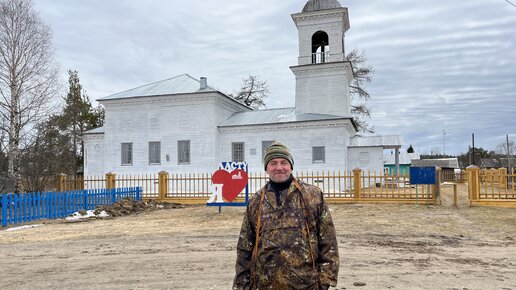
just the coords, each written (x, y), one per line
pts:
(381, 247)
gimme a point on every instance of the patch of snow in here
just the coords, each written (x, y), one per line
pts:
(22, 227)
(89, 213)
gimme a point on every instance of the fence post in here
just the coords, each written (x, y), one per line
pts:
(162, 184)
(357, 172)
(437, 186)
(60, 186)
(473, 182)
(139, 193)
(502, 178)
(110, 180)
(112, 192)
(4, 209)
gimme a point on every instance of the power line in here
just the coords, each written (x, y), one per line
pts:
(510, 3)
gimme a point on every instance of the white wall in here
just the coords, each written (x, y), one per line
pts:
(366, 158)
(299, 137)
(323, 88)
(167, 120)
(94, 154)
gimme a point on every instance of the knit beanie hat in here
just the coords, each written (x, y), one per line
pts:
(277, 150)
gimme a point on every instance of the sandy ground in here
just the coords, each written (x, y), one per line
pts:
(381, 247)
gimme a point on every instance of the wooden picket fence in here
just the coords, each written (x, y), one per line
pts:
(486, 187)
(27, 207)
(494, 187)
(338, 186)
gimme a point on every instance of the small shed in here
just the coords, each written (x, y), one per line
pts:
(448, 165)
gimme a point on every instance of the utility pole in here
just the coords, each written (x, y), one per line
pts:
(473, 152)
(508, 156)
(444, 142)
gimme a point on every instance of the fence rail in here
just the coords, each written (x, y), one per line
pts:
(338, 186)
(493, 187)
(26, 207)
(346, 186)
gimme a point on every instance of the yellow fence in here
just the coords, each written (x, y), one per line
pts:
(492, 187)
(486, 187)
(338, 186)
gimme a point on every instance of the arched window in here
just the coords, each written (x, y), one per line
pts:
(320, 47)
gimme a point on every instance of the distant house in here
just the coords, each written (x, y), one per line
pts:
(405, 160)
(183, 125)
(497, 162)
(490, 163)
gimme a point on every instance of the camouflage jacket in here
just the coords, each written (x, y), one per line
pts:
(283, 259)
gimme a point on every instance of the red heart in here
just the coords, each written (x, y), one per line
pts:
(233, 182)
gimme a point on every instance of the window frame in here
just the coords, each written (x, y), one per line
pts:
(234, 152)
(317, 159)
(158, 153)
(181, 146)
(130, 152)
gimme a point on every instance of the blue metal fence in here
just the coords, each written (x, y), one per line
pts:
(26, 207)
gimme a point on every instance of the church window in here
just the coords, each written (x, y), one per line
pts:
(320, 47)
(127, 153)
(237, 151)
(318, 154)
(154, 152)
(183, 152)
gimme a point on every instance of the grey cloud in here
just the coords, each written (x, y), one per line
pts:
(439, 65)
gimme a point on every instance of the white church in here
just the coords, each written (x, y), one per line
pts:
(183, 125)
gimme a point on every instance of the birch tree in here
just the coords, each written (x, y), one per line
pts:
(28, 76)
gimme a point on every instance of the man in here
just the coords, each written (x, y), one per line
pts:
(287, 240)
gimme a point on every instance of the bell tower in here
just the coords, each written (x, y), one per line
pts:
(322, 75)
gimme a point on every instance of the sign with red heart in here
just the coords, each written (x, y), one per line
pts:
(232, 182)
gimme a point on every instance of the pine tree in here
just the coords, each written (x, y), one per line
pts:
(78, 116)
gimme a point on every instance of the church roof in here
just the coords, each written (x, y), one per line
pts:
(99, 130)
(274, 116)
(316, 5)
(181, 84)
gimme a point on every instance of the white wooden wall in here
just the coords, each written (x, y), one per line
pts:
(300, 138)
(167, 120)
(373, 162)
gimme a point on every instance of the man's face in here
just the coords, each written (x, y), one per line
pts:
(279, 169)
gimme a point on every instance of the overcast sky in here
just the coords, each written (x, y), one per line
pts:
(439, 65)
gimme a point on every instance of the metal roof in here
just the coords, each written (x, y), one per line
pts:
(181, 84)
(274, 116)
(99, 130)
(442, 162)
(389, 141)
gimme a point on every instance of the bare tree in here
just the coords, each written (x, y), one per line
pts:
(362, 73)
(505, 149)
(28, 75)
(253, 92)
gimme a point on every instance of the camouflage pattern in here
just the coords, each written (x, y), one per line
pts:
(284, 260)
